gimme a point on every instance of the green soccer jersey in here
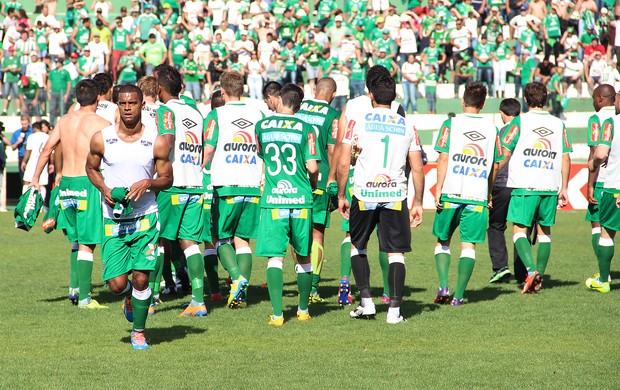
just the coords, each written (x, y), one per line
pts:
(441, 37)
(313, 51)
(502, 50)
(191, 67)
(484, 52)
(11, 66)
(358, 70)
(551, 83)
(59, 79)
(529, 38)
(290, 58)
(179, 48)
(320, 114)
(285, 143)
(30, 91)
(552, 25)
(41, 39)
(428, 22)
(128, 71)
(430, 81)
(326, 7)
(119, 38)
(171, 22)
(287, 28)
(219, 48)
(146, 22)
(387, 63)
(153, 52)
(432, 54)
(528, 68)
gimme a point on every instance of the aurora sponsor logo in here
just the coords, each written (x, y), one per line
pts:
(542, 150)
(242, 143)
(381, 181)
(472, 162)
(284, 187)
(381, 186)
(193, 146)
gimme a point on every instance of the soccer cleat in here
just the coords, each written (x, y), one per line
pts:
(236, 292)
(457, 302)
(316, 298)
(501, 275)
(395, 320)
(596, 285)
(385, 299)
(199, 310)
(217, 297)
(74, 296)
(138, 341)
(301, 316)
(151, 311)
(343, 292)
(128, 311)
(530, 282)
(275, 321)
(596, 275)
(443, 296)
(92, 305)
(364, 312)
(172, 290)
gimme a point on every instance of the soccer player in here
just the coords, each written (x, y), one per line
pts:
(236, 173)
(148, 85)
(354, 107)
(537, 147)
(607, 151)
(80, 202)
(603, 99)
(131, 155)
(105, 107)
(34, 145)
(469, 154)
(384, 142)
(180, 207)
(318, 113)
(270, 94)
(288, 147)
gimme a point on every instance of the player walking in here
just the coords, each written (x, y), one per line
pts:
(131, 155)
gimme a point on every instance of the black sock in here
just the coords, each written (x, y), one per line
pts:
(361, 272)
(396, 280)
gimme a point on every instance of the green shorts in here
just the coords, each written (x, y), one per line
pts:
(236, 216)
(471, 219)
(80, 209)
(609, 213)
(320, 201)
(129, 245)
(279, 227)
(527, 209)
(592, 213)
(180, 216)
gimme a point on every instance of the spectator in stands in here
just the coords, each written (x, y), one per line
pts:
(597, 68)
(463, 73)
(552, 33)
(430, 84)
(573, 73)
(58, 90)
(341, 74)
(542, 74)
(19, 140)
(153, 53)
(11, 69)
(254, 70)
(570, 39)
(433, 56)
(483, 53)
(556, 91)
(460, 39)
(411, 76)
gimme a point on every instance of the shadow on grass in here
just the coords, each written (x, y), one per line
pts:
(168, 334)
(487, 294)
(550, 283)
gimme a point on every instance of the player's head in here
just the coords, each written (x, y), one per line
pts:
(603, 95)
(375, 72)
(36, 127)
(271, 91)
(475, 95)
(115, 90)
(290, 97)
(87, 92)
(148, 85)
(509, 108)
(232, 85)
(104, 83)
(382, 89)
(169, 83)
(535, 95)
(158, 68)
(217, 100)
(130, 103)
(325, 89)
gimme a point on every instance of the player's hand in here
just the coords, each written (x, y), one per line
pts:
(35, 184)
(23, 166)
(57, 181)
(562, 198)
(138, 189)
(618, 202)
(438, 203)
(107, 197)
(591, 198)
(415, 216)
(490, 205)
(344, 207)
(591, 166)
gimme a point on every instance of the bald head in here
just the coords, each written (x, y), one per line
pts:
(325, 89)
(603, 95)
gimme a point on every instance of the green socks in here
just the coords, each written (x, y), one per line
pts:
(606, 253)
(345, 257)
(304, 284)
(275, 285)
(596, 235)
(73, 268)
(542, 254)
(210, 257)
(140, 301)
(244, 262)
(85, 271)
(228, 258)
(466, 267)
(442, 263)
(316, 259)
(385, 267)
(195, 271)
(155, 275)
(524, 249)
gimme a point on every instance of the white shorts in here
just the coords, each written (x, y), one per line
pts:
(313, 71)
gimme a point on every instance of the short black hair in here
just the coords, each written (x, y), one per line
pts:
(292, 95)
(475, 94)
(130, 88)
(104, 82)
(535, 95)
(383, 89)
(170, 79)
(272, 88)
(45, 122)
(510, 107)
(86, 92)
(115, 90)
(36, 125)
(374, 72)
(216, 99)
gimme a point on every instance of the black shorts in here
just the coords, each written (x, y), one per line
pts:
(393, 232)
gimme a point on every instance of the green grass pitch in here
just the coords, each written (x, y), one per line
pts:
(564, 337)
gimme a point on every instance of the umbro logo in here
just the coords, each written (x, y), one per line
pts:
(188, 123)
(542, 131)
(242, 123)
(474, 136)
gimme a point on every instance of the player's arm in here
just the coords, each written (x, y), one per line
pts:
(26, 159)
(338, 134)
(44, 157)
(210, 135)
(566, 149)
(93, 165)
(509, 141)
(442, 146)
(593, 137)
(417, 174)
(163, 168)
(343, 163)
(497, 158)
(312, 157)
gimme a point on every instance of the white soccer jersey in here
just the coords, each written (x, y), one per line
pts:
(105, 109)
(126, 163)
(149, 113)
(384, 138)
(35, 144)
(610, 138)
